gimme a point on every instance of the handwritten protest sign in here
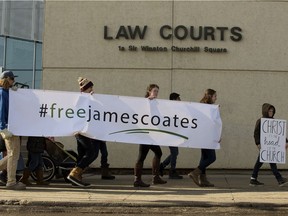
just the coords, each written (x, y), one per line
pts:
(273, 141)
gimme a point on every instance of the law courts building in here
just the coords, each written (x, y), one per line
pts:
(239, 48)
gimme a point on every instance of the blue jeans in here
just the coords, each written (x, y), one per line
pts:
(208, 156)
(88, 150)
(104, 154)
(35, 161)
(21, 163)
(273, 167)
(172, 158)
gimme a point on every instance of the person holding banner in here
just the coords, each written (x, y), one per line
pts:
(208, 156)
(151, 93)
(12, 143)
(88, 149)
(172, 158)
(268, 111)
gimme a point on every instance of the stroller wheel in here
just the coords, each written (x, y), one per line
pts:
(49, 169)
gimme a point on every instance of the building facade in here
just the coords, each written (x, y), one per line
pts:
(238, 48)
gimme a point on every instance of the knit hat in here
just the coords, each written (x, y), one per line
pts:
(84, 83)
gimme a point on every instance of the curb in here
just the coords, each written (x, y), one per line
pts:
(45, 204)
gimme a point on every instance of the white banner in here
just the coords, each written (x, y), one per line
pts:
(114, 118)
(273, 141)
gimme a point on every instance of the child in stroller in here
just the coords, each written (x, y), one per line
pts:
(35, 147)
(56, 162)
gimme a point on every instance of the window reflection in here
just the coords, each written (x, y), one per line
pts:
(19, 54)
(19, 59)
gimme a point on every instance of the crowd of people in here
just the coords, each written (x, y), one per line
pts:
(88, 149)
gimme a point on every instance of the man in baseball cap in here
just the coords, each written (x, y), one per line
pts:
(6, 74)
(12, 142)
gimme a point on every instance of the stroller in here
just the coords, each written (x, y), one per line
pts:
(57, 162)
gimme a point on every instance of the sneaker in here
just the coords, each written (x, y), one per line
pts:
(254, 182)
(140, 183)
(282, 182)
(157, 180)
(174, 175)
(16, 186)
(77, 182)
(86, 185)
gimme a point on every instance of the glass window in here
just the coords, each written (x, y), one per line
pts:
(19, 54)
(1, 51)
(39, 56)
(38, 79)
(24, 77)
(19, 59)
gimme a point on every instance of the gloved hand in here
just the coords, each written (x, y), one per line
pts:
(6, 134)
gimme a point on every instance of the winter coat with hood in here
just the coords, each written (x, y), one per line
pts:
(257, 131)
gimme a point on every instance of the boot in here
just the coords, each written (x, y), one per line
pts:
(80, 177)
(155, 172)
(195, 175)
(25, 177)
(75, 176)
(106, 174)
(174, 175)
(205, 182)
(138, 173)
(39, 176)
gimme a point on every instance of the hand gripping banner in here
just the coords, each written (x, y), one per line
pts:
(114, 118)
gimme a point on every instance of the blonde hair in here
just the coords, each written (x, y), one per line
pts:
(4, 83)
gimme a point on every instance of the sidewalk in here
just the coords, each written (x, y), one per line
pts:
(232, 189)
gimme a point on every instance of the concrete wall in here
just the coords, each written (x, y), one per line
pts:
(253, 71)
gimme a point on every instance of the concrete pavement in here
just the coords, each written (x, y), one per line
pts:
(232, 189)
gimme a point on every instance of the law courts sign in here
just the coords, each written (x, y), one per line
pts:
(213, 35)
(180, 32)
